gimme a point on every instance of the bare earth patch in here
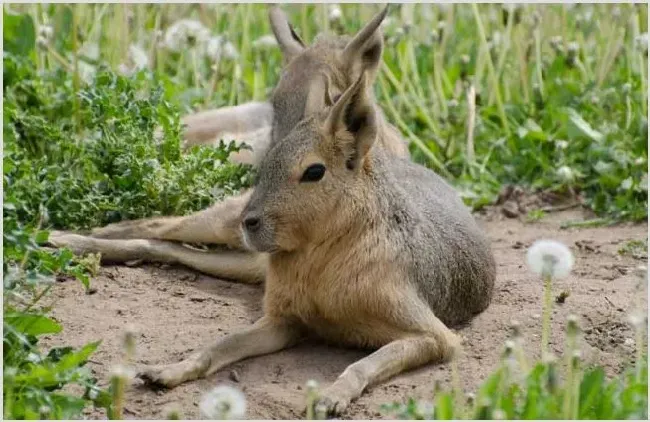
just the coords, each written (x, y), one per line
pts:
(178, 311)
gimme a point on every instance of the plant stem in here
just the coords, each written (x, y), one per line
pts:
(75, 65)
(491, 71)
(546, 317)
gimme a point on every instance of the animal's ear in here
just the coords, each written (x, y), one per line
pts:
(354, 113)
(363, 52)
(289, 42)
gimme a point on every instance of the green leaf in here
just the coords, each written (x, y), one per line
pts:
(62, 27)
(32, 324)
(67, 407)
(19, 33)
(444, 407)
(41, 236)
(580, 126)
(49, 375)
(590, 392)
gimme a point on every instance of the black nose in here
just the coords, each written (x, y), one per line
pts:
(252, 224)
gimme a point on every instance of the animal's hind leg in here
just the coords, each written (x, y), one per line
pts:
(248, 267)
(206, 126)
(408, 352)
(218, 224)
(267, 335)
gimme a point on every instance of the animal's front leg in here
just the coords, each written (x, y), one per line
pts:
(267, 335)
(390, 360)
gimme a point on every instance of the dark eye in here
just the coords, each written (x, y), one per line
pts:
(314, 173)
(336, 98)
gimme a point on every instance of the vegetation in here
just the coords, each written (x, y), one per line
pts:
(551, 98)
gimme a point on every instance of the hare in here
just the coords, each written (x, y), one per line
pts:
(365, 249)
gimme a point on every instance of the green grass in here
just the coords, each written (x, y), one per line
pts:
(556, 98)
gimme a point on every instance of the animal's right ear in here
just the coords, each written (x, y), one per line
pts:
(363, 52)
(289, 42)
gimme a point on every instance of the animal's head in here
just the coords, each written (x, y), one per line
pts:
(309, 182)
(314, 76)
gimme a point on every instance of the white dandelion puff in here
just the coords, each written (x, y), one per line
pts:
(46, 32)
(549, 257)
(137, 60)
(138, 57)
(186, 33)
(214, 48)
(122, 372)
(223, 402)
(499, 415)
(335, 13)
(230, 51)
(42, 42)
(641, 42)
(265, 42)
(218, 48)
(312, 385)
(565, 173)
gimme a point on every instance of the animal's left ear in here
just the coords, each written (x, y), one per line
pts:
(354, 113)
(289, 42)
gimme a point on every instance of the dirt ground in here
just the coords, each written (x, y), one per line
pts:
(177, 311)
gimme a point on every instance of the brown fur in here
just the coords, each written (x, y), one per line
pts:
(356, 257)
(311, 77)
(379, 253)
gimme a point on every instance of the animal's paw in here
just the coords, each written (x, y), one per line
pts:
(168, 376)
(330, 405)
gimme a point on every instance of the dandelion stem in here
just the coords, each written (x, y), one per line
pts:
(118, 393)
(546, 318)
(538, 59)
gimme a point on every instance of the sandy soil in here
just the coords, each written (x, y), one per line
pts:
(177, 311)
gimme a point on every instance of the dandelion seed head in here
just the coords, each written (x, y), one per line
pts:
(335, 13)
(641, 42)
(312, 385)
(138, 57)
(566, 173)
(186, 33)
(123, 372)
(265, 42)
(230, 51)
(46, 31)
(41, 42)
(550, 258)
(223, 402)
(214, 48)
(562, 144)
(425, 408)
(499, 414)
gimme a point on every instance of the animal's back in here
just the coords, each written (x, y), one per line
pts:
(448, 257)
